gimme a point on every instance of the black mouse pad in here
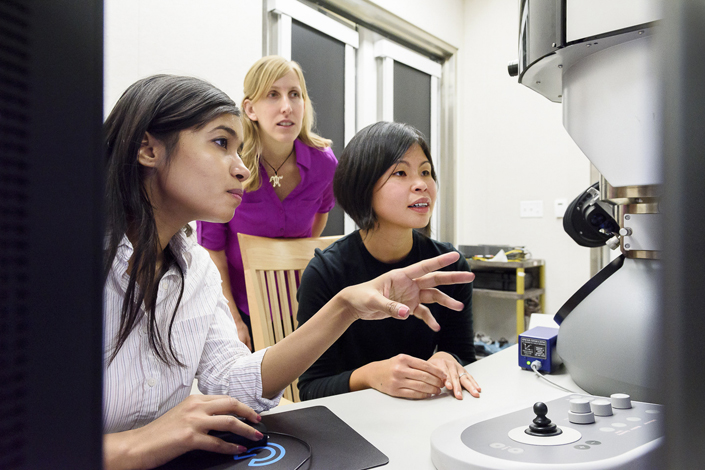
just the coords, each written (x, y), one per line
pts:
(334, 445)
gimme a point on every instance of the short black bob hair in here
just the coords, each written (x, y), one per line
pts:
(366, 158)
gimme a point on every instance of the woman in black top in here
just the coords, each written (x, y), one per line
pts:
(386, 182)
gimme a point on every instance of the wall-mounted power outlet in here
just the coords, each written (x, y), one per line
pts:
(531, 209)
(559, 207)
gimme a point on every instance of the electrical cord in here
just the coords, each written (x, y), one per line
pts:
(535, 367)
(308, 457)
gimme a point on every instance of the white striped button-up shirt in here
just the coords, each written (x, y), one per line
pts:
(137, 386)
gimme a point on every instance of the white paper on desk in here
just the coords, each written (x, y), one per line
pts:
(500, 257)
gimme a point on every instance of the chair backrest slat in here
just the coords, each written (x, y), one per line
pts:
(292, 286)
(273, 269)
(266, 335)
(284, 299)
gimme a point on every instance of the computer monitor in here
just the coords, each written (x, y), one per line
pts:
(51, 193)
(681, 369)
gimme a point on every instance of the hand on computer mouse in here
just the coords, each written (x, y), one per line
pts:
(182, 429)
(241, 440)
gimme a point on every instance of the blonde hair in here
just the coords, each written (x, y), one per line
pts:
(258, 81)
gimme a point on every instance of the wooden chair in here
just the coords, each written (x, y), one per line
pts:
(273, 269)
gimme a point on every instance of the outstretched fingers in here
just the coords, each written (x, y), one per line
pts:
(382, 304)
(398, 293)
(431, 296)
(444, 278)
(423, 313)
(430, 265)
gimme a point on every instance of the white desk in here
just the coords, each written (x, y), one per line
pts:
(402, 429)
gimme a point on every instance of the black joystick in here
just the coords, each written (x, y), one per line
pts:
(542, 427)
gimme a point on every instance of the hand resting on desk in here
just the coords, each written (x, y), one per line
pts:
(406, 376)
(457, 377)
(400, 292)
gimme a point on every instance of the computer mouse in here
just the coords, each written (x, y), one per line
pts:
(242, 440)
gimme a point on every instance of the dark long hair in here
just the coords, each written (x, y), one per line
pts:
(368, 155)
(163, 105)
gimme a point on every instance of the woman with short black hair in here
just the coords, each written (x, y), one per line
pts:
(386, 182)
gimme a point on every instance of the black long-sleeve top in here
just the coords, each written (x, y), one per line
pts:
(347, 262)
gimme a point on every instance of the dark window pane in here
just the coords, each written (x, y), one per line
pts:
(412, 98)
(322, 59)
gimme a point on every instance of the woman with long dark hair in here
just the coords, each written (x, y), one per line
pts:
(171, 145)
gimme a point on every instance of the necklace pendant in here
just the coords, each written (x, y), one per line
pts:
(275, 180)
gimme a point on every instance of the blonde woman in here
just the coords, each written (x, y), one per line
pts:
(289, 192)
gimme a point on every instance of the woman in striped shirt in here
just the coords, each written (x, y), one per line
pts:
(171, 146)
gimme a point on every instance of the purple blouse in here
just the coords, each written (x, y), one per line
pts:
(261, 213)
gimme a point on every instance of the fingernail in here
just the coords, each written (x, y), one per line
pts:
(259, 435)
(259, 418)
(240, 449)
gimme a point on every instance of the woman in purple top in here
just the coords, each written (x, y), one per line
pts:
(289, 192)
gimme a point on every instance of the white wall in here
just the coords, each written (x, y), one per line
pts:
(511, 142)
(441, 18)
(514, 148)
(216, 40)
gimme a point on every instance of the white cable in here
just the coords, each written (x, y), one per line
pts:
(535, 367)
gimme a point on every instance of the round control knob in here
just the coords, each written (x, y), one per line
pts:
(581, 418)
(613, 243)
(542, 426)
(621, 401)
(580, 405)
(601, 407)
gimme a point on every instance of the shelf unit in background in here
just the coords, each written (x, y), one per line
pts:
(520, 294)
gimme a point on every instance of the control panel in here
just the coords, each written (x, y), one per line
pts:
(577, 431)
(539, 344)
